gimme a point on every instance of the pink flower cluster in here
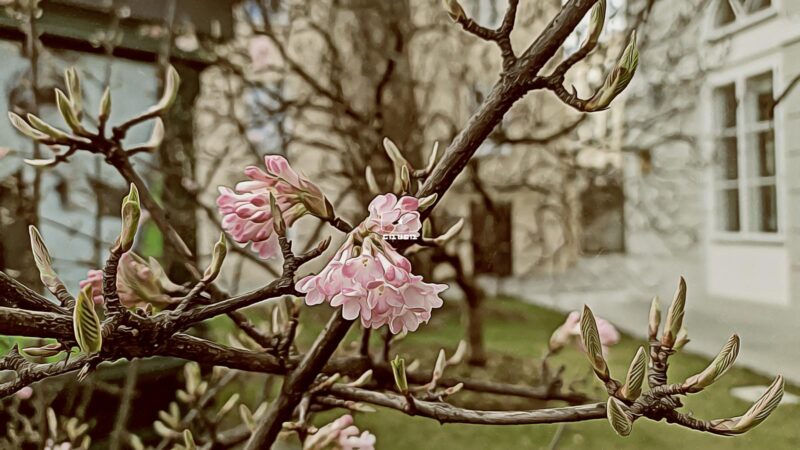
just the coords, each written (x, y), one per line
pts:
(138, 282)
(389, 215)
(570, 332)
(370, 280)
(246, 212)
(340, 434)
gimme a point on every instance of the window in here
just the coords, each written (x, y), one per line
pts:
(746, 176)
(730, 11)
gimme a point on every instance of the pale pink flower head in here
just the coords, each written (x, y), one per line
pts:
(369, 280)
(570, 333)
(389, 215)
(24, 393)
(340, 434)
(139, 281)
(246, 211)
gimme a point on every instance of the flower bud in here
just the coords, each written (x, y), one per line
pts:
(217, 258)
(399, 372)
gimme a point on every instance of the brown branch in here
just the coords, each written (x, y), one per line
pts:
(446, 413)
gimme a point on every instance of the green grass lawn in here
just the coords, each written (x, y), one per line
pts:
(516, 335)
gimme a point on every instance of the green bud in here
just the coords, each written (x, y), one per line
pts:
(73, 83)
(372, 183)
(105, 105)
(131, 212)
(721, 363)
(48, 129)
(23, 127)
(654, 320)
(618, 79)
(618, 418)
(675, 316)
(44, 263)
(399, 372)
(427, 202)
(86, 324)
(67, 110)
(217, 258)
(592, 344)
(757, 413)
(632, 388)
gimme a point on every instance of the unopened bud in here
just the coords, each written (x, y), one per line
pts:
(372, 183)
(23, 127)
(131, 212)
(654, 320)
(593, 345)
(454, 10)
(618, 418)
(105, 105)
(632, 388)
(67, 110)
(73, 83)
(217, 258)
(675, 316)
(399, 372)
(85, 323)
(41, 256)
(44, 351)
(427, 202)
(721, 363)
(618, 79)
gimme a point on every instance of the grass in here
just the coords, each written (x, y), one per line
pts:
(516, 336)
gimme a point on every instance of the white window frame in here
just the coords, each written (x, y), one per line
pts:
(739, 76)
(715, 32)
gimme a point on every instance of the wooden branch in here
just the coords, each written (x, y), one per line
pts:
(446, 413)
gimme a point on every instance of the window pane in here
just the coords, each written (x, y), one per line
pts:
(728, 158)
(757, 5)
(759, 98)
(764, 210)
(724, 14)
(725, 105)
(728, 209)
(761, 155)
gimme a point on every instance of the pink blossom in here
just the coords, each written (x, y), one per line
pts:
(370, 280)
(570, 332)
(390, 215)
(24, 393)
(246, 211)
(138, 281)
(340, 434)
